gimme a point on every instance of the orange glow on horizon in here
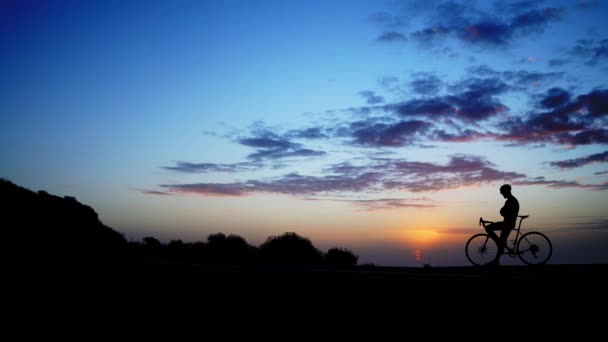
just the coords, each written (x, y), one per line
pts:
(419, 237)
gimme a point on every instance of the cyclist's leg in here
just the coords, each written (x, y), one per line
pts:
(491, 228)
(504, 235)
(494, 227)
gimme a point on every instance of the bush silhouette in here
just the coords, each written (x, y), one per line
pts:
(230, 249)
(290, 248)
(341, 256)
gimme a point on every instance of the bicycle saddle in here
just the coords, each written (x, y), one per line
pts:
(523, 216)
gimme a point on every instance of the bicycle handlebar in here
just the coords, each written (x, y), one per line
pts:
(482, 221)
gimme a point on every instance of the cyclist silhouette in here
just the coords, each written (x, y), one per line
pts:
(509, 212)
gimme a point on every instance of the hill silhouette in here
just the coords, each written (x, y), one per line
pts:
(41, 225)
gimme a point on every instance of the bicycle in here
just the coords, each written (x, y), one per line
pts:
(533, 248)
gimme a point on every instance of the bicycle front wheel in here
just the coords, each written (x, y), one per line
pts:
(481, 249)
(534, 248)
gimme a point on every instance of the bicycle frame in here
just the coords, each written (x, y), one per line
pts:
(511, 250)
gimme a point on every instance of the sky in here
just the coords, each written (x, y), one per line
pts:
(385, 127)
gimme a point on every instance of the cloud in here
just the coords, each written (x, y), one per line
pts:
(465, 135)
(555, 98)
(435, 106)
(474, 26)
(559, 184)
(557, 62)
(378, 174)
(208, 189)
(374, 134)
(594, 52)
(390, 203)
(273, 146)
(565, 121)
(277, 153)
(578, 162)
(388, 81)
(513, 79)
(155, 192)
(425, 84)
(587, 3)
(461, 170)
(472, 100)
(307, 133)
(601, 172)
(525, 79)
(371, 97)
(188, 167)
(391, 37)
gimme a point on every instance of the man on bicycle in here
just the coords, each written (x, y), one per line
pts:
(509, 212)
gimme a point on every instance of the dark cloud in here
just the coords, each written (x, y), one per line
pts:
(380, 174)
(461, 170)
(188, 167)
(578, 162)
(474, 26)
(430, 36)
(472, 101)
(155, 192)
(525, 79)
(430, 107)
(374, 134)
(465, 135)
(391, 37)
(208, 189)
(475, 105)
(388, 81)
(601, 173)
(567, 121)
(390, 203)
(517, 7)
(273, 146)
(557, 62)
(275, 153)
(595, 102)
(426, 84)
(593, 51)
(492, 32)
(555, 97)
(559, 184)
(535, 20)
(512, 79)
(267, 142)
(371, 97)
(293, 184)
(307, 133)
(587, 3)
(389, 20)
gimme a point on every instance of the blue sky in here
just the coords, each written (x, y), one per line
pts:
(386, 127)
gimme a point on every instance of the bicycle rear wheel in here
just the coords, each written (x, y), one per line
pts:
(481, 249)
(534, 248)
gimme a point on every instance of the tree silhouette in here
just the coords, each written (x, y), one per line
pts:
(290, 248)
(341, 256)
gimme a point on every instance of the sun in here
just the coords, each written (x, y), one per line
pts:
(419, 237)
